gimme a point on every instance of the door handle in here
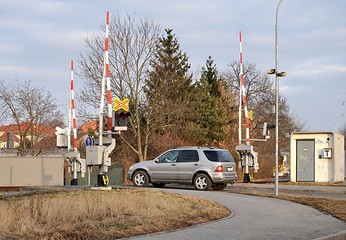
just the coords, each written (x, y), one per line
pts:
(173, 164)
(195, 164)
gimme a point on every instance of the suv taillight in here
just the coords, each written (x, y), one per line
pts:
(219, 169)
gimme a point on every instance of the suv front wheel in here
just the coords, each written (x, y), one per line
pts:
(140, 179)
(202, 182)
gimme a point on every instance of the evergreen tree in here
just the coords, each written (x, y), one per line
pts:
(210, 121)
(168, 87)
(210, 74)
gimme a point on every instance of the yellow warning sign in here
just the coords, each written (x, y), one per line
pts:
(250, 115)
(121, 104)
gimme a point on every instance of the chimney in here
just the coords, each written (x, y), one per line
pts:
(10, 140)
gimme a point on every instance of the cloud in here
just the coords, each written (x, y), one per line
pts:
(33, 72)
(62, 39)
(8, 49)
(37, 7)
(38, 38)
(316, 67)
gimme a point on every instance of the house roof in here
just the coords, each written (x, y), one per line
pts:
(90, 126)
(39, 129)
(9, 128)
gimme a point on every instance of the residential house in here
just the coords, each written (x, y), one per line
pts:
(89, 128)
(40, 137)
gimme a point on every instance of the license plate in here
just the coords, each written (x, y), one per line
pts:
(230, 169)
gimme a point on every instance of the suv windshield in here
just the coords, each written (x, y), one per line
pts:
(170, 156)
(218, 156)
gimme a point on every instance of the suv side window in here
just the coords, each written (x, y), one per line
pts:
(170, 156)
(188, 156)
(225, 156)
(211, 155)
(218, 156)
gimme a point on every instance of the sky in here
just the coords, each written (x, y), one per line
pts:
(39, 38)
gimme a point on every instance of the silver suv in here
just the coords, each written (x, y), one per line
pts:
(203, 167)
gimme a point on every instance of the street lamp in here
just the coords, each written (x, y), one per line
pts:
(277, 75)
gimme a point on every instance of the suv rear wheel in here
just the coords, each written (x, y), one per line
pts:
(140, 179)
(202, 182)
(219, 186)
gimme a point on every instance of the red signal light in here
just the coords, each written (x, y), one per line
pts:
(120, 118)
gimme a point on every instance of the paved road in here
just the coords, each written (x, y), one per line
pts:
(257, 218)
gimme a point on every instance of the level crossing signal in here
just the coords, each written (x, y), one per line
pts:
(120, 114)
(120, 118)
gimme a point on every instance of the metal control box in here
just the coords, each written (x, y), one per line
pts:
(61, 141)
(99, 154)
(94, 155)
(248, 156)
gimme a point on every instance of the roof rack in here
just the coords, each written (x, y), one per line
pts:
(198, 147)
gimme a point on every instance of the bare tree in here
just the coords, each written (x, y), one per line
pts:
(131, 47)
(32, 109)
(261, 99)
(256, 83)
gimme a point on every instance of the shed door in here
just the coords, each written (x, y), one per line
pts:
(305, 160)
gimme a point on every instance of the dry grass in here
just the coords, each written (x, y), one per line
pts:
(102, 214)
(120, 213)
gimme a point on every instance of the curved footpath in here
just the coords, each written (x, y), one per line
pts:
(257, 218)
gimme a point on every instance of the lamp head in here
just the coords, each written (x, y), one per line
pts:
(271, 71)
(281, 74)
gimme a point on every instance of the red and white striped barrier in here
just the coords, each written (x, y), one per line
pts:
(73, 111)
(243, 94)
(108, 81)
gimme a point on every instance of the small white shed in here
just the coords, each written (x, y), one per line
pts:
(317, 157)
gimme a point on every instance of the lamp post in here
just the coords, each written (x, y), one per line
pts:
(277, 75)
(277, 103)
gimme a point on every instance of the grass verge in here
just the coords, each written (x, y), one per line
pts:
(102, 214)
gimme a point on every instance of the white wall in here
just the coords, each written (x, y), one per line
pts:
(339, 157)
(31, 171)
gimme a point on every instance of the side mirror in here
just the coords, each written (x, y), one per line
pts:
(157, 160)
